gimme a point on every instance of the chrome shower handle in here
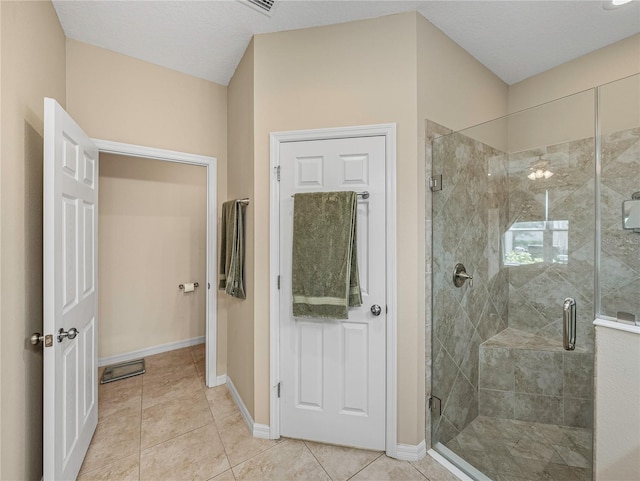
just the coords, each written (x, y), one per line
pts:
(460, 275)
(569, 324)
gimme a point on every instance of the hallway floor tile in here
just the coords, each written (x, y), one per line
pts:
(166, 425)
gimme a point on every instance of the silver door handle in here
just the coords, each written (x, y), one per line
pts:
(569, 324)
(376, 310)
(70, 334)
(36, 338)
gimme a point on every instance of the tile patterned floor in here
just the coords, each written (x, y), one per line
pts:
(509, 450)
(166, 425)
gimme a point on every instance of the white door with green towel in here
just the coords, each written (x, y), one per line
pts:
(333, 371)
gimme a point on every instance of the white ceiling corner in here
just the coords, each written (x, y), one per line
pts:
(515, 39)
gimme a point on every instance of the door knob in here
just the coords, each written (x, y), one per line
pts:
(36, 338)
(376, 310)
(71, 334)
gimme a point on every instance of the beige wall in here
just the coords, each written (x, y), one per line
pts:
(152, 237)
(349, 74)
(240, 184)
(617, 418)
(358, 73)
(33, 66)
(119, 98)
(572, 118)
(607, 64)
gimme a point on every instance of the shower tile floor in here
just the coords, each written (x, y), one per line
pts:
(510, 450)
(167, 425)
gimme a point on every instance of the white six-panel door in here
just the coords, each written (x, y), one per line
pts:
(332, 372)
(70, 293)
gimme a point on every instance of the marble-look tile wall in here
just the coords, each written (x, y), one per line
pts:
(537, 291)
(620, 261)
(469, 215)
(531, 378)
(565, 268)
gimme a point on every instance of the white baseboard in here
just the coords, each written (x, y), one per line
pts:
(257, 430)
(261, 431)
(220, 380)
(411, 452)
(129, 356)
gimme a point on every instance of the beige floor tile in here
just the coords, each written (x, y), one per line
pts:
(384, 468)
(167, 388)
(226, 476)
(197, 455)
(114, 439)
(119, 400)
(115, 389)
(340, 462)
(433, 470)
(201, 367)
(238, 442)
(198, 352)
(289, 460)
(170, 364)
(169, 419)
(221, 402)
(127, 469)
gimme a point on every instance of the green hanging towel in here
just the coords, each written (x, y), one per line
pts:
(325, 281)
(232, 249)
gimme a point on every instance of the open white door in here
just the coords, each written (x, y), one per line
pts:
(70, 293)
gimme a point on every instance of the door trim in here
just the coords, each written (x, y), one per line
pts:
(211, 323)
(276, 139)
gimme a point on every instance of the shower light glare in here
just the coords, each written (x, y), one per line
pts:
(617, 3)
(539, 174)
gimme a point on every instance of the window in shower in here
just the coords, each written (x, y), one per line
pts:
(536, 242)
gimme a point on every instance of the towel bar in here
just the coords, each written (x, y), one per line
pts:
(364, 195)
(244, 201)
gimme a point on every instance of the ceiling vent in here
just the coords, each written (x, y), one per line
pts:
(265, 7)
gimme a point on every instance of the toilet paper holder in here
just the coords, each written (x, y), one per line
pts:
(181, 286)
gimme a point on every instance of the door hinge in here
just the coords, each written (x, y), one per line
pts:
(278, 282)
(435, 183)
(278, 389)
(208, 285)
(278, 173)
(435, 404)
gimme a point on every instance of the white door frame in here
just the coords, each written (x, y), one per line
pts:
(276, 139)
(211, 324)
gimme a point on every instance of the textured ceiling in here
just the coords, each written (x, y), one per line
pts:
(515, 39)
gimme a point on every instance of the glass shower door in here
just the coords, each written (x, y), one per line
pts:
(517, 208)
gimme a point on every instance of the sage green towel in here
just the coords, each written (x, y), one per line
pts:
(232, 249)
(325, 281)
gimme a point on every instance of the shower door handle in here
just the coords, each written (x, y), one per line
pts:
(569, 324)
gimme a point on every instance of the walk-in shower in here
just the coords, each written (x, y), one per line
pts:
(532, 205)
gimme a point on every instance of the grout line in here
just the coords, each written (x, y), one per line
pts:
(366, 466)
(316, 458)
